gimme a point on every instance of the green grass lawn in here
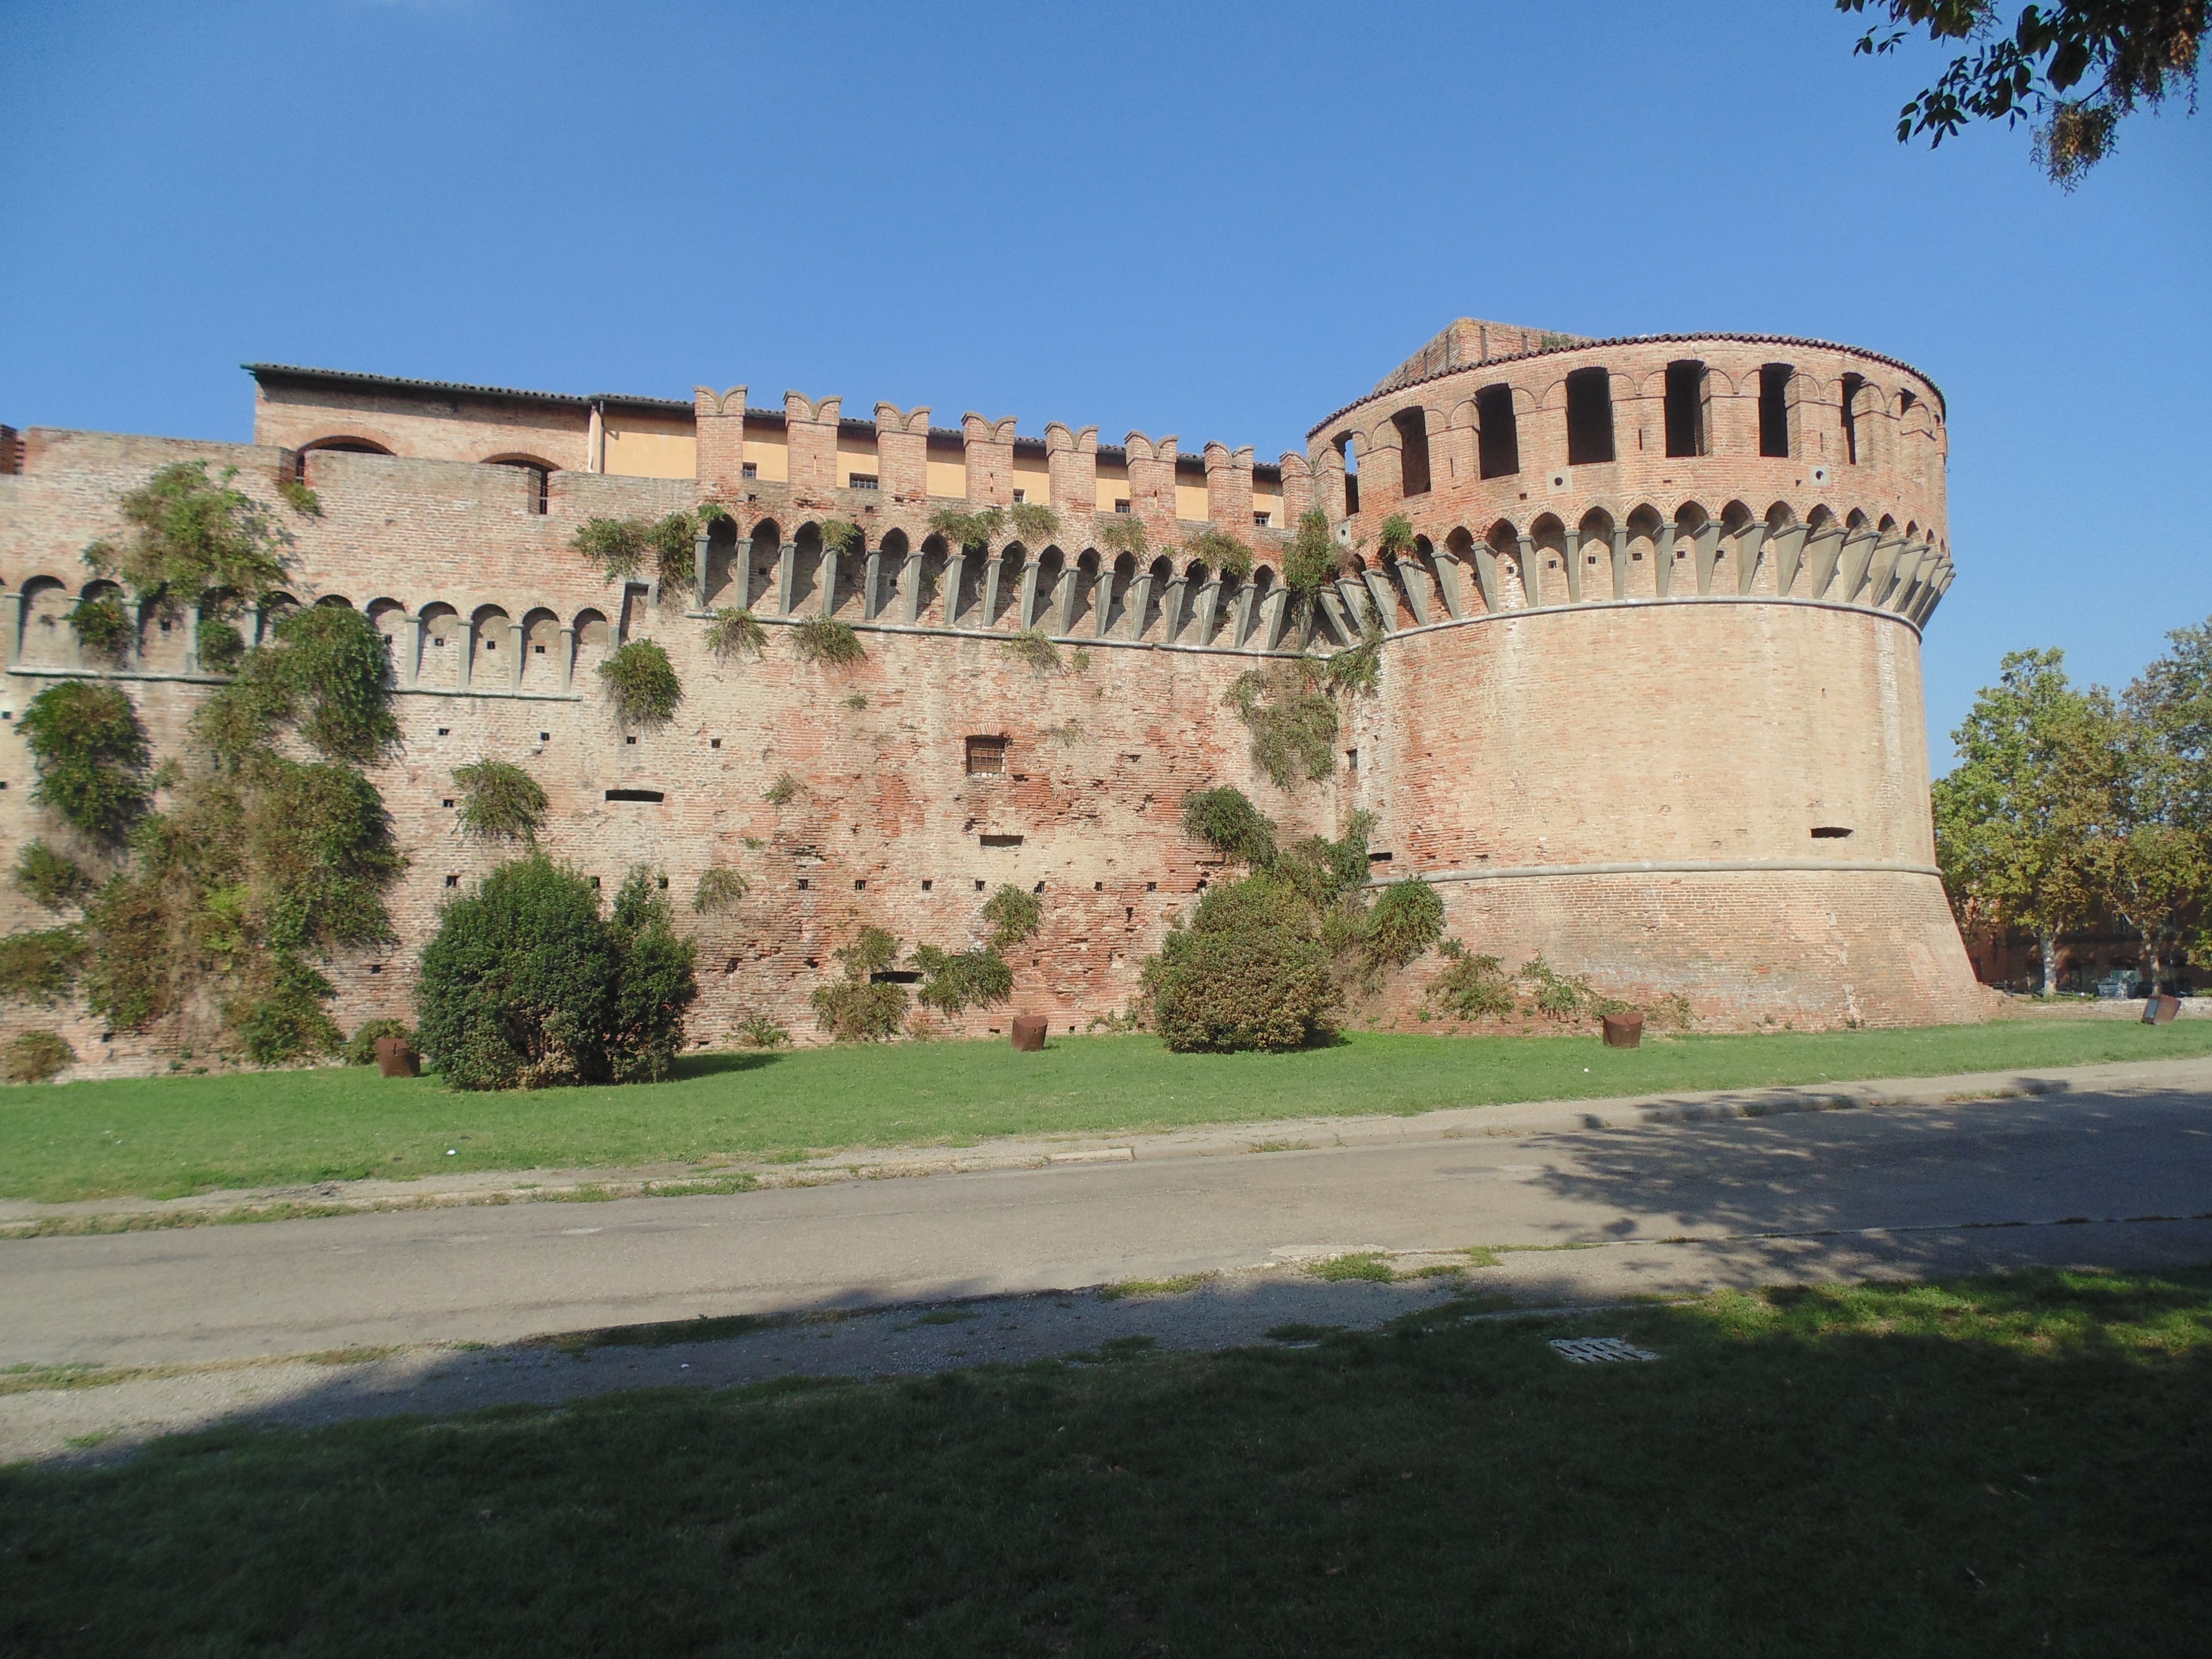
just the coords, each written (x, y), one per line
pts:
(1997, 1467)
(167, 1136)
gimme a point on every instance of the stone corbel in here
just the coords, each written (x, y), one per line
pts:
(1748, 541)
(1573, 559)
(1620, 561)
(1532, 571)
(787, 578)
(1704, 547)
(911, 609)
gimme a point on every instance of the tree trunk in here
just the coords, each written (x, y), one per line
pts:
(2153, 964)
(2049, 942)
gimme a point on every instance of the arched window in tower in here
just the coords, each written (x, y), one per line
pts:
(1774, 409)
(1413, 426)
(1589, 417)
(1498, 440)
(1347, 445)
(1686, 408)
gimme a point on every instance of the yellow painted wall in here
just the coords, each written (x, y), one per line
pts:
(855, 454)
(1112, 484)
(1033, 477)
(637, 452)
(1190, 503)
(947, 478)
(769, 453)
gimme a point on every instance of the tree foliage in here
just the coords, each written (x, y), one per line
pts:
(971, 532)
(1220, 551)
(1310, 561)
(952, 981)
(1225, 819)
(623, 549)
(1014, 916)
(2072, 70)
(2011, 818)
(736, 633)
(51, 879)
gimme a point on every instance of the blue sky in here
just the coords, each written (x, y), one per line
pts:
(1217, 221)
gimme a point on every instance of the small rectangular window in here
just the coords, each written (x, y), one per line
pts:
(860, 481)
(748, 470)
(1122, 506)
(1498, 436)
(986, 756)
(455, 881)
(539, 649)
(1262, 520)
(1021, 496)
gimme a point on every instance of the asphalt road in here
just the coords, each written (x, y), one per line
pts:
(1806, 1196)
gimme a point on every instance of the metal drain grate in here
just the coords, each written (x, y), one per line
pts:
(1597, 1350)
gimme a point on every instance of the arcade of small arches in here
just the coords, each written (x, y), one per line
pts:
(438, 647)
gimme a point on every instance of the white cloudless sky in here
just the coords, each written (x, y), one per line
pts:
(1218, 220)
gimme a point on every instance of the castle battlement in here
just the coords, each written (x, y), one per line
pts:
(1648, 702)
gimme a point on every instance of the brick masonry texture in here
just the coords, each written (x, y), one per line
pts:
(1618, 698)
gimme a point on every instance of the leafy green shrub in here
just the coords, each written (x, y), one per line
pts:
(1327, 871)
(861, 1009)
(759, 1031)
(973, 533)
(1034, 647)
(1564, 996)
(826, 639)
(300, 499)
(1293, 724)
(103, 626)
(842, 536)
(41, 967)
(222, 647)
(37, 1056)
(1226, 819)
(361, 1047)
(656, 984)
(1223, 992)
(620, 548)
(1312, 558)
(785, 790)
(190, 533)
(500, 801)
(642, 683)
(1470, 986)
(91, 755)
(1355, 668)
(1396, 540)
(526, 985)
(280, 1015)
(1221, 551)
(1035, 523)
(971, 979)
(1014, 916)
(734, 632)
(50, 878)
(324, 672)
(1407, 919)
(1120, 533)
(1670, 1012)
(719, 888)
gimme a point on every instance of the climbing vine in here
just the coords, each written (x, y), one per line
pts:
(642, 683)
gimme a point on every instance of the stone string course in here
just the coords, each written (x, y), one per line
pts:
(1691, 663)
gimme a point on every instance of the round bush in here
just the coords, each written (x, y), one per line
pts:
(518, 986)
(91, 752)
(1263, 987)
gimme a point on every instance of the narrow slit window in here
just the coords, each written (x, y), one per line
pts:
(1001, 841)
(1830, 832)
(1348, 446)
(1774, 409)
(1499, 437)
(635, 795)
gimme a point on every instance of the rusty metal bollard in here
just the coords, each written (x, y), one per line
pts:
(396, 1057)
(1029, 1033)
(1624, 1030)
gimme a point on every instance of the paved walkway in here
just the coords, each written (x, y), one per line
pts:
(1587, 1203)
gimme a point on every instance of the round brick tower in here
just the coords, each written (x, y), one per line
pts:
(1651, 699)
